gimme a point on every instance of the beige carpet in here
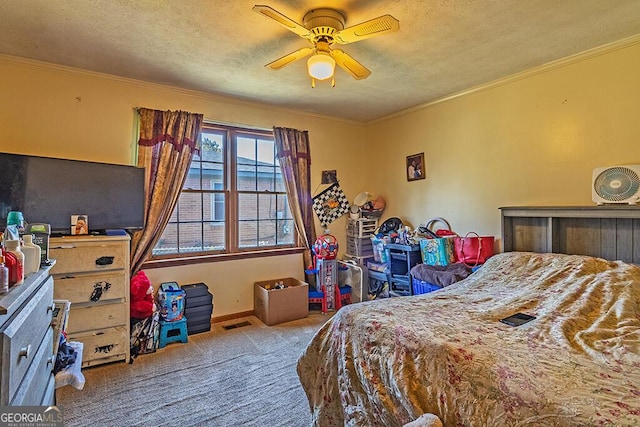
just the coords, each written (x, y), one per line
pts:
(238, 377)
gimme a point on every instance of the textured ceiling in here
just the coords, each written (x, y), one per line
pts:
(221, 47)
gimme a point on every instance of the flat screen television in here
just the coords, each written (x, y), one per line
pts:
(50, 190)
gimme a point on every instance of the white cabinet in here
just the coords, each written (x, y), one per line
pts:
(93, 273)
(26, 343)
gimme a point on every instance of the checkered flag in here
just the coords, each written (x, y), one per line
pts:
(330, 204)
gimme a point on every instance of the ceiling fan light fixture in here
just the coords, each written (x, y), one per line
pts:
(321, 66)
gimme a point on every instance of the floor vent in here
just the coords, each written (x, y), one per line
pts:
(237, 325)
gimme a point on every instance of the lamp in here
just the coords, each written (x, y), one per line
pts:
(321, 66)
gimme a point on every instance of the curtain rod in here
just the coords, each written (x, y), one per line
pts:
(220, 123)
(237, 125)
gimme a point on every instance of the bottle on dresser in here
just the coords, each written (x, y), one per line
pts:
(4, 277)
(12, 264)
(31, 255)
(13, 247)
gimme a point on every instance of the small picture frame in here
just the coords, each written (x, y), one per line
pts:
(79, 224)
(415, 168)
(329, 177)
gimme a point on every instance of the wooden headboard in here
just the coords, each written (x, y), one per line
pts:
(611, 232)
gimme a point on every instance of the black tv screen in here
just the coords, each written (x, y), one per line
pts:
(50, 190)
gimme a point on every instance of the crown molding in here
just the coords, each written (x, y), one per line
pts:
(550, 66)
(188, 92)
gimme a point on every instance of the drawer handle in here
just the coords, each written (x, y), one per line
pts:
(104, 348)
(64, 247)
(25, 351)
(99, 288)
(51, 307)
(50, 360)
(104, 260)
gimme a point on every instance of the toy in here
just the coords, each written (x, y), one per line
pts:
(142, 302)
(171, 302)
(326, 247)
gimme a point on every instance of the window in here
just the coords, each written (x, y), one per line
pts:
(233, 200)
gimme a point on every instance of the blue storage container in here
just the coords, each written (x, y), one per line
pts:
(422, 287)
(171, 302)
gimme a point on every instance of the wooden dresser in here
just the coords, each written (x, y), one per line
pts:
(93, 273)
(26, 343)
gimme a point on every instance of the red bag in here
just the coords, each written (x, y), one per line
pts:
(441, 232)
(473, 250)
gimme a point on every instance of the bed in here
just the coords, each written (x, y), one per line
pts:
(387, 362)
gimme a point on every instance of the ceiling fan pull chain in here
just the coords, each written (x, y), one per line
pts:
(313, 83)
(333, 81)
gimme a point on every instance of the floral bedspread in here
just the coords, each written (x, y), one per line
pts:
(386, 362)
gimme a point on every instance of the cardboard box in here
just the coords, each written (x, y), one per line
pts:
(274, 306)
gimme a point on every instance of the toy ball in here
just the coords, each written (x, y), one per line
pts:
(326, 247)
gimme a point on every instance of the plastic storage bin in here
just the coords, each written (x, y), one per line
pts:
(198, 307)
(171, 302)
(422, 287)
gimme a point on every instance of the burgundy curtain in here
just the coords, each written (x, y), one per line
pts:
(294, 154)
(168, 140)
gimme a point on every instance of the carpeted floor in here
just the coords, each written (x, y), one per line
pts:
(244, 376)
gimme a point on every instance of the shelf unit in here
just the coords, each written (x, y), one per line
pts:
(610, 232)
(401, 259)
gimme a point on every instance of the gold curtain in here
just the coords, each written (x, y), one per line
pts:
(294, 154)
(168, 140)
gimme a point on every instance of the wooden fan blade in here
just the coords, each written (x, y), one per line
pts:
(375, 27)
(287, 59)
(350, 65)
(289, 24)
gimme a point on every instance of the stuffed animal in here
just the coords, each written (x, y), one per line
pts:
(142, 302)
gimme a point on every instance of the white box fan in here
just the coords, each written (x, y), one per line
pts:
(616, 184)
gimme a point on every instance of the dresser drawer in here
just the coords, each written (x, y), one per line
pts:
(91, 288)
(22, 337)
(97, 316)
(79, 257)
(33, 389)
(49, 398)
(109, 343)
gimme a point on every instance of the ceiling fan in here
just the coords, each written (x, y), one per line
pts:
(322, 28)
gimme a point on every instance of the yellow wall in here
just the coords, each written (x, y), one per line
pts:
(61, 112)
(529, 140)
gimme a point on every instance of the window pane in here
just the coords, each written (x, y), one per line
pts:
(214, 206)
(280, 187)
(266, 151)
(265, 178)
(267, 207)
(193, 177)
(168, 243)
(246, 178)
(214, 236)
(283, 207)
(248, 234)
(267, 233)
(247, 206)
(212, 147)
(212, 175)
(190, 237)
(190, 205)
(285, 232)
(246, 149)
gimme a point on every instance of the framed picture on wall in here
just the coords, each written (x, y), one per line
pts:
(415, 167)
